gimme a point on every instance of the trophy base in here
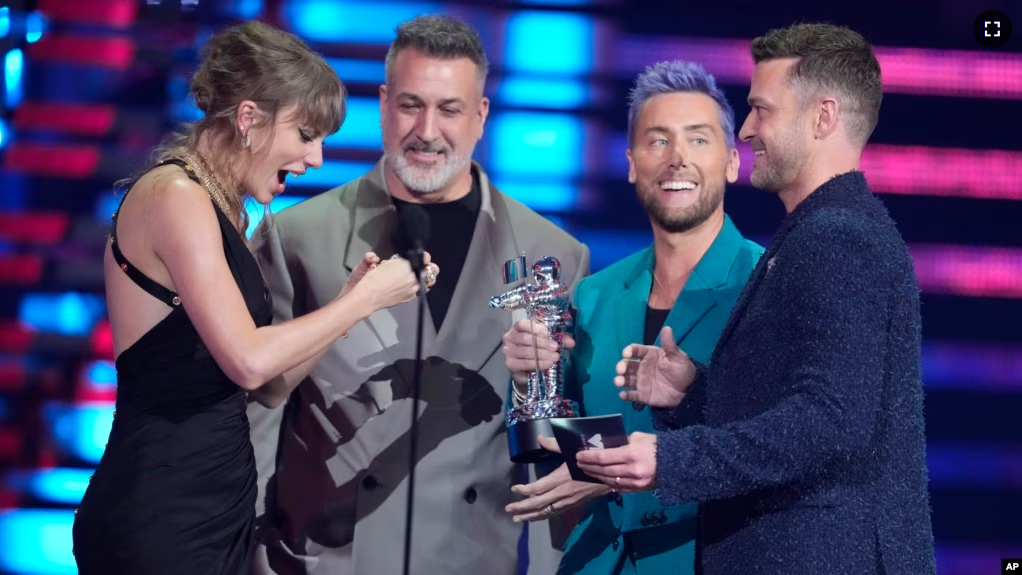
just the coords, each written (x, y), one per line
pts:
(522, 442)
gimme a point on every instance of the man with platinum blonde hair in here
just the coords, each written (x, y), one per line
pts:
(678, 291)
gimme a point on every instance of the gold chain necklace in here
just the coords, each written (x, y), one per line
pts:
(198, 166)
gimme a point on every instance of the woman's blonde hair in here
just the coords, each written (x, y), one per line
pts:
(274, 69)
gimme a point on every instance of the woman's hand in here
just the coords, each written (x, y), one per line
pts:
(369, 261)
(392, 282)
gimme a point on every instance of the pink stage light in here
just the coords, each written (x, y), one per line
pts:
(108, 52)
(20, 269)
(76, 161)
(925, 171)
(33, 228)
(118, 14)
(14, 338)
(960, 73)
(919, 170)
(78, 119)
(89, 394)
(11, 439)
(103, 340)
(968, 271)
(12, 374)
(8, 499)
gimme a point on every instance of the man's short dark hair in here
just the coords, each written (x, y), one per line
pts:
(832, 58)
(442, 37)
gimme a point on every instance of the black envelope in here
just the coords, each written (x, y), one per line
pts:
(577, 433)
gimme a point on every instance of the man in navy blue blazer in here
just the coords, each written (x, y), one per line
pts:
(810, 454)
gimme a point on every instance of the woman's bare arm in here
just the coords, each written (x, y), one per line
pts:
(186, 237)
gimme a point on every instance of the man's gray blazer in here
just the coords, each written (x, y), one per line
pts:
(333, 461)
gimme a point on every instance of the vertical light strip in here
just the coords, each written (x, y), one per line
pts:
(536, 156)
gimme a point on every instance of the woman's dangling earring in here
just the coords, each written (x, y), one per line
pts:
(246, 141)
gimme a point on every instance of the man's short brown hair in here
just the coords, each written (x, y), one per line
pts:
(830, 58)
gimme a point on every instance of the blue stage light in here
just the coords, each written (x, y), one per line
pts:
(541, 196)
(536, 145)
(68, 313)
(102, 374)
(59, 485)
(333, 173)
(106, 204)
(361, 127)
(81, 430)
(248, 9)
(184, 111)
(539, 92)
(550, 43)
(13, 64)
(351, 70)
(256, 211)
(12, 192)
(35, 25)
(37, 541)
(615, 162)
(347, 21)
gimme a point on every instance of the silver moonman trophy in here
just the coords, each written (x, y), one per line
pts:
(548, 302)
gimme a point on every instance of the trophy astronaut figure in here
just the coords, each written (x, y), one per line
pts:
(548, 302)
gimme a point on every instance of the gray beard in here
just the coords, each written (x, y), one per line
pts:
(426, 180)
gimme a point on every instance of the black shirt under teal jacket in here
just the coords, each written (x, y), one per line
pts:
(811, 458)
(611, 313)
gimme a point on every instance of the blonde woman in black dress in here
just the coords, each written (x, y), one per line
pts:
(175, 490)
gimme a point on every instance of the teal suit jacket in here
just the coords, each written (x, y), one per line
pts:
(611, 312)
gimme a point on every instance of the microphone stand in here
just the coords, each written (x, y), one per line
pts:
(415, 258)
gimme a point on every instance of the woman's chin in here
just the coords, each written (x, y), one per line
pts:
(264, 198)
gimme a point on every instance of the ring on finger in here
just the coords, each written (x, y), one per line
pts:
(550, 509)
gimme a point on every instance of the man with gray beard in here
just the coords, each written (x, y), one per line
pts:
(333, 462)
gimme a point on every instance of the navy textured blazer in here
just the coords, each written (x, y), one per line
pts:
(811, 457)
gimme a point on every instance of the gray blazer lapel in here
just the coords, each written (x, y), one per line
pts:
(374, 221)
(471, 331)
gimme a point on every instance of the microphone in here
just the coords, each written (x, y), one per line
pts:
(414, 222)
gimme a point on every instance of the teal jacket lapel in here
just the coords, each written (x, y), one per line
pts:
(699, 295)
(630, 307)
